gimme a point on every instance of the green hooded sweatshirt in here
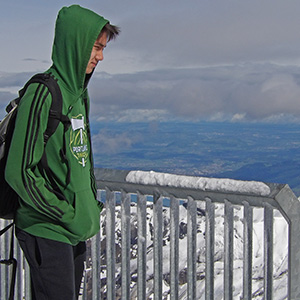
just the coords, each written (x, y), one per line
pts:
(74, 217)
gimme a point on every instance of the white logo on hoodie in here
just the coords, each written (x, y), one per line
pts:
(79, 139)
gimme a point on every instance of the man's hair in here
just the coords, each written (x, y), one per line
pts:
(111, 31)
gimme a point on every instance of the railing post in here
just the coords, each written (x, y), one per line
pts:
(142, 245)
(268, 252)
(290, 206)
(3, 268)
(191, 247)
(96, 268)
(228, 250)
(27, 280)
(158, 239)
(125, 225)
(174, 247)
(248, 245)
(19, 278)
(209, 249)
(110, 244)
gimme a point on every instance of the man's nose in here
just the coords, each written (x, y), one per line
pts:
(99, 55)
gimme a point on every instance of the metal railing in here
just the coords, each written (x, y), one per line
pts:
(166, 240)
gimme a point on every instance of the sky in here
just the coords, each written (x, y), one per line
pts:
(236, 61)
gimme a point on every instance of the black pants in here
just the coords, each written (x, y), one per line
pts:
(56, 268)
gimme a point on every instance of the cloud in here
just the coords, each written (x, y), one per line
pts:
(5, 98)
(238, 117)
(131, 115)
(236, 93)
(10, 84)
(37, 60)
(206, 33)
(233, 92)
(30, 59)
(213, 60)
(9, 80)
(106, 142)
(162, 36)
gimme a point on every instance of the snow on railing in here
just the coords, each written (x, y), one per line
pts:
(201, 183)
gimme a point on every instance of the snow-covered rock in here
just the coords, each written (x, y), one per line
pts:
(280, 253)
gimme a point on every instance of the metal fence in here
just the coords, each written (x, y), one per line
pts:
(166, 240)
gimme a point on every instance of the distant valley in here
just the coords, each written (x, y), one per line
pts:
(262, 152)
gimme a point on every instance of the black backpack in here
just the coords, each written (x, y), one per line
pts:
(8, 197)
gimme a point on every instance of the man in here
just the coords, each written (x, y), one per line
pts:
(52, 226)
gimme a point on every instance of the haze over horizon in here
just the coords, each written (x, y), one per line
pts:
(214, 61)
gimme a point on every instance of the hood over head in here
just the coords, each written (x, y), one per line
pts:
(76, 31)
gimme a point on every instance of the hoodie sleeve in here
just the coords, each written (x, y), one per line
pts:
(26, 149)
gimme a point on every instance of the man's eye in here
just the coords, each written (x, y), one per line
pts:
(99, 48)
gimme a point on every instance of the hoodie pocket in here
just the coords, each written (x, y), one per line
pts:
(86, 221)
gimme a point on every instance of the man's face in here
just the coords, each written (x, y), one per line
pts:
(97, 53)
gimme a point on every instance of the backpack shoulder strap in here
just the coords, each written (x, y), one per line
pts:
(55, 117)
(55, 114)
